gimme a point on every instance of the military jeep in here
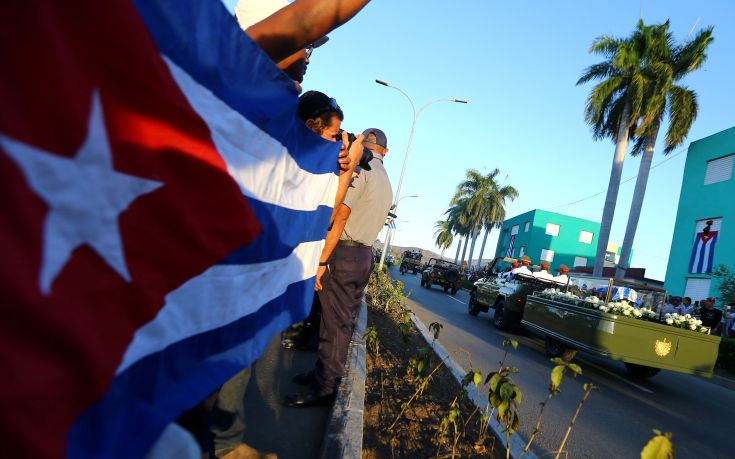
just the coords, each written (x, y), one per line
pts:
(411, 261)
(506, 296)
(442, 273)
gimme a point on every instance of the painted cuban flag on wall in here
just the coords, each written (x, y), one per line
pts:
(164, 212)
(703, 250)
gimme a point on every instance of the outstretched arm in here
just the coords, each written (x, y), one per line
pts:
(294, 27)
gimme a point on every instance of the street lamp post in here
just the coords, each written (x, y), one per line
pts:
(416, 114)
(389, 231)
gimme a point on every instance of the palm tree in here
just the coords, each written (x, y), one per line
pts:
(457, 215)
(495, 214)
(613, 107)
(443, 235)
(671, 64)
(485, 203)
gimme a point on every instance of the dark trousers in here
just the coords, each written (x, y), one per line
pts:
(342, 288)
(227, 419)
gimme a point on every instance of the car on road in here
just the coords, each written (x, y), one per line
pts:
(411, 261)
(506, 297)
(443, 273)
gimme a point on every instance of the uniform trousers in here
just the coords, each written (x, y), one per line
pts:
(342, 287)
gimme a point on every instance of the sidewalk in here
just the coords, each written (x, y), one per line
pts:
(291, 433)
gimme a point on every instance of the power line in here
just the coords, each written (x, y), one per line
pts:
(668, 158)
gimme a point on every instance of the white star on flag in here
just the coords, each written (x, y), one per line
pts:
(85, 196)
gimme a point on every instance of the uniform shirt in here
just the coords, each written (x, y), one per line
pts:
(521, 270)
(543, 274)
(561, 279)
(369, 198)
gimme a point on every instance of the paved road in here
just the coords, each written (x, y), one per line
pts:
(616, 421)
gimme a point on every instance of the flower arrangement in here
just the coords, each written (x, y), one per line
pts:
(685, 321)
(625, 309)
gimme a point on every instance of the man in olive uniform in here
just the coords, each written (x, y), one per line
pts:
(344, 271)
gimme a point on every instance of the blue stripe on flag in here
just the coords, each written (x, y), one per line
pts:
(693, 256)
(184, 372)
(203, 38)
(278, 240)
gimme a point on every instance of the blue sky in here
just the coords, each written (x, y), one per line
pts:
(517, 64)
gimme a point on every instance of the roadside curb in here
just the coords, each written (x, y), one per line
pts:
(343, 434)
(516, 441)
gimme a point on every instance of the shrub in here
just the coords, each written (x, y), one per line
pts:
(386, 294)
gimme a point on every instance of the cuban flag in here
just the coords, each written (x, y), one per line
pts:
(163, 215)
(703, 251)
(511, 246)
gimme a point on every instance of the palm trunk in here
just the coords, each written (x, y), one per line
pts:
(621, 147)
(443, 250)
(475, 233)
(482, 247)
(635, 207)
(464, 250)
(459, 247)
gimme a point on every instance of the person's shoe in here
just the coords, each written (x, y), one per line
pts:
(308, 399)
(244, 451)
(303, 379)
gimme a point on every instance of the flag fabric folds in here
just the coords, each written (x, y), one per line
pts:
(165, 211)
(703, 252)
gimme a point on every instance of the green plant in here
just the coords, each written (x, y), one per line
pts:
(659, 447)
(386, 294)
(452, 419)
(557, 376)
(727, 283)
(417, 367)
(504, 396)
(372, 341)
(435, 327)
(588, 388)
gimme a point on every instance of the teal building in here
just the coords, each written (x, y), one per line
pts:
(704, 235)
(556, 238)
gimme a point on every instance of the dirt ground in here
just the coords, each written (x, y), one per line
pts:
(418, 433)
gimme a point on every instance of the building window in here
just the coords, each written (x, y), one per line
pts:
(611, 257)
(526, 227)
(514, 230)
(552, 229)
(547, 255)
(580, 261)
(585, 237)
(719, 170)
(697, 289)
(521, 252)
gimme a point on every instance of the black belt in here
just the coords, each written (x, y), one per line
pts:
(348, 243)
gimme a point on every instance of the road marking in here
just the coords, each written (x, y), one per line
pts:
(637, 386)
(458, 301)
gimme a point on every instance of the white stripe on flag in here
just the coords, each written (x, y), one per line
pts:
(705, 256)
(259, 163)
(697, 250)
(219, 296)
